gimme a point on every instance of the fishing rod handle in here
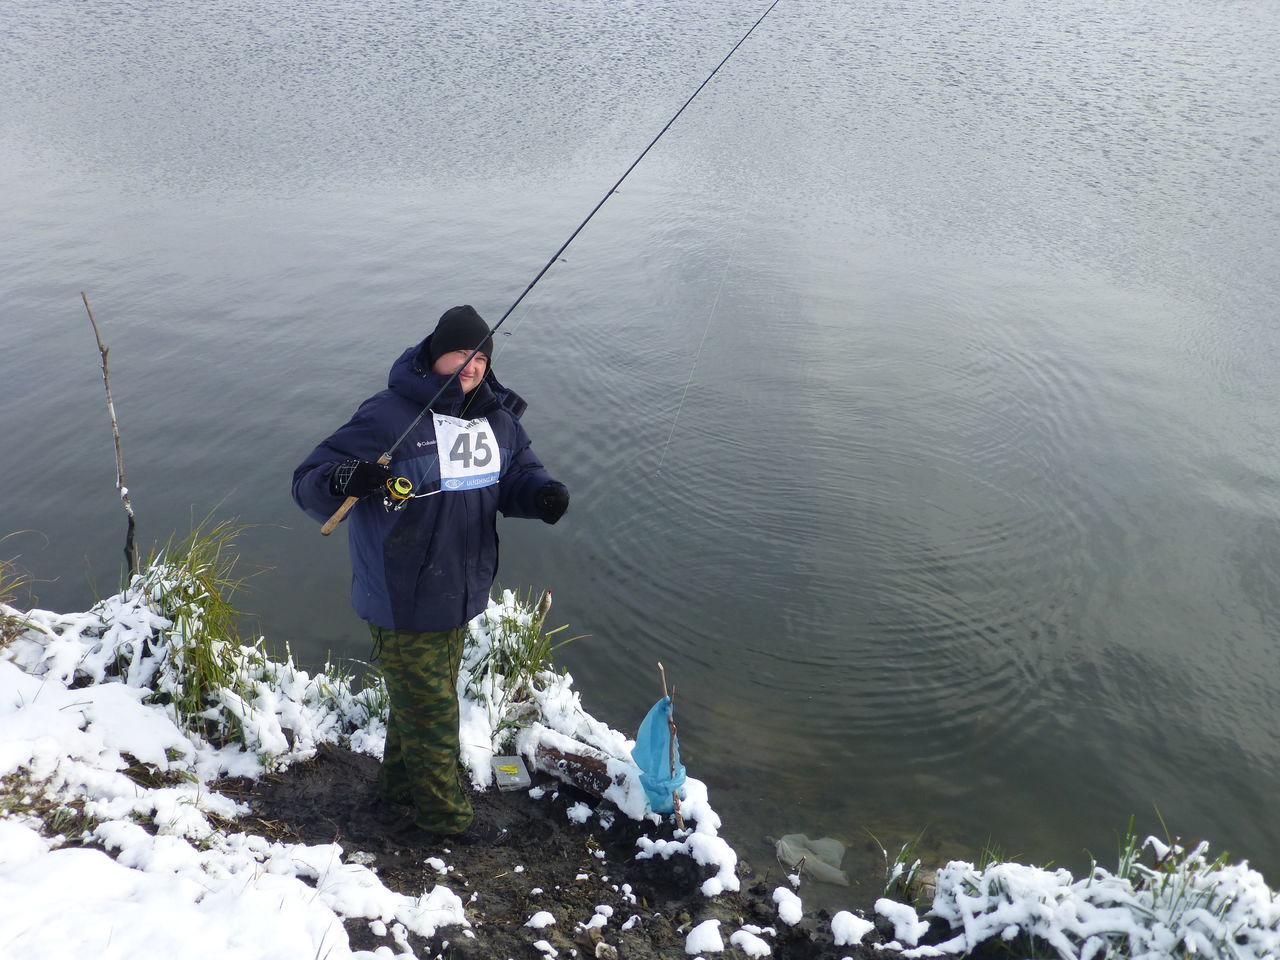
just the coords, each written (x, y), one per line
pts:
(338, 514)
(348, 503)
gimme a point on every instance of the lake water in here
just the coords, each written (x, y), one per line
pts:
(916, 393)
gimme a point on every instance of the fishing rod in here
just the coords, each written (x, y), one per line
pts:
(385, 459)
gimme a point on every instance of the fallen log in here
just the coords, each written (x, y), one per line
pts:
(580, 766)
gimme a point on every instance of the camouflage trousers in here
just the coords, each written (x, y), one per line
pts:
(420, 762)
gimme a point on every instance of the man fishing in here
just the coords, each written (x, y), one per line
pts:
(424, 548)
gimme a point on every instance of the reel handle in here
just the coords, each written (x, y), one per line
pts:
(348, 503)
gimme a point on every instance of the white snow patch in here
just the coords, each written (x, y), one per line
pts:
(704, 938)
(703, 843)
(19, 843)
(542, 918)
(749, 943)
(790, 909)
(907, 927)
(849, 929)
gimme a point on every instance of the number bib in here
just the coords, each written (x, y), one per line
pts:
(469, 454)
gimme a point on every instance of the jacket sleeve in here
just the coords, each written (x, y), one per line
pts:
(521, 479)
(359, 439)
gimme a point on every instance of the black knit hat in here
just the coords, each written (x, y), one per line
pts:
(460, 328)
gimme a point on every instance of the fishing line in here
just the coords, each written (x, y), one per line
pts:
(385, 459)
(499, 347)
(594, 210)
(697, 353)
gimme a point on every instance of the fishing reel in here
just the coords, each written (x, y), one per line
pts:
(399, 491)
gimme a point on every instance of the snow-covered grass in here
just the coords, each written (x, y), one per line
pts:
(191, 584)
(1162, 901)
(115, 842)
(117, 724)
(12, 579)
(509, 654)
(902, 873)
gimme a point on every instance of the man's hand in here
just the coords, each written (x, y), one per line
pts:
(357, 478)
(553, 501)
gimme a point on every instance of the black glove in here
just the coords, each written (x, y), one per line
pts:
(553, 500)
(357, 478)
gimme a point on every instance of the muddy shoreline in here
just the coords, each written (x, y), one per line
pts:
(573, 871)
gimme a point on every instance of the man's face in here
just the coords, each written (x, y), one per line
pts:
(470, 375)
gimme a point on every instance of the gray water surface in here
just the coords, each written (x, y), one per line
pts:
(916, 393)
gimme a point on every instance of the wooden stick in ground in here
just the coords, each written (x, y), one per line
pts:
(671, 724)
(130, 548)
(671, 743)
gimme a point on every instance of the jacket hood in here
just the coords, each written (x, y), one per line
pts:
(411, 378)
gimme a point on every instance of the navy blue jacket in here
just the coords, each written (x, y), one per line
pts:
(428, 565)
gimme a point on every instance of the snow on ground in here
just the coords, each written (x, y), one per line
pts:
(907, 927)
(89, 732)
(1181, 904)
(540, 919)
(148, 862)
(848, 929)
(790, 907)
(704, 938)
(752, 944)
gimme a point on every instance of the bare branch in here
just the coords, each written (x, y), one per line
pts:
(671, 741)
(130, 548)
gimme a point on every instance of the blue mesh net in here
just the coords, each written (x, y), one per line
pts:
(654, 753)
